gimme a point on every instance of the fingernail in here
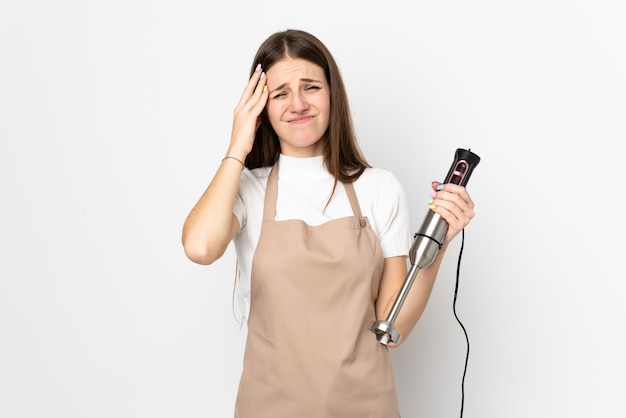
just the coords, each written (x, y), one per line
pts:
(264, 88)
(432, 207)
(433, 194)
(440, 187)
(429, 201)
(262, 75)
(258, 67)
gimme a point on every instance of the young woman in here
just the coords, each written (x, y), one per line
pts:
(322, 240)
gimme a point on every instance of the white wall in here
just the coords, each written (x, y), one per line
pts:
(114, 116)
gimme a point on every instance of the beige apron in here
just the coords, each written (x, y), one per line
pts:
(309, 352)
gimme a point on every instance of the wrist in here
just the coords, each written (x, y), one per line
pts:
(238, 154)
(233, 158)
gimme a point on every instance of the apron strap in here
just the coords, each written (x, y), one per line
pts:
(269, 206)
(354, 202)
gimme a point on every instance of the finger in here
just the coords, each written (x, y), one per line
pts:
(453, 192)
(252, 85)
(460, 208)
(457, 219)
(258, 99)
(261, 94)
(453, 202)
(450, 208)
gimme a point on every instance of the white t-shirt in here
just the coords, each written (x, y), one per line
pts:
(304, 186)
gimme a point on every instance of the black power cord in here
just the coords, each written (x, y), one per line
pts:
(456, 290)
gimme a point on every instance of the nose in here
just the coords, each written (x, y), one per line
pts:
(298, 103)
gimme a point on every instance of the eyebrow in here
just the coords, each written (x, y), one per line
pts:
(306, 80)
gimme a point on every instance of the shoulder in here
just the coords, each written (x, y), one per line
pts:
(253, 180)
(380, 190)
(257, 174)
(252, 186)
(380, 180)
(384, 202)
(250, 195)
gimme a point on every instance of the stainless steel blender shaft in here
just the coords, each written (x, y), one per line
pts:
(427, 243)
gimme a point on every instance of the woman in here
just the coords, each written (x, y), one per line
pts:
(322, 240)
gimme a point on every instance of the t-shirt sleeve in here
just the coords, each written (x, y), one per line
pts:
(391, 211)
(248, 205)
(239, 210)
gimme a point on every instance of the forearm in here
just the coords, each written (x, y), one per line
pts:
(417, 298)
(211, 225)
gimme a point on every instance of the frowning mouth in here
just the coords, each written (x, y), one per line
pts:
(301, 119)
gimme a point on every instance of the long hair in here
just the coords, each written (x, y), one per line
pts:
(342, 156)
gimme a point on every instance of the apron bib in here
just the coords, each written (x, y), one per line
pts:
(309, 351)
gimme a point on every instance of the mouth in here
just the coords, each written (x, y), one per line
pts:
(301, 119)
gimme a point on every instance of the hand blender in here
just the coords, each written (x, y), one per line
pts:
(427, 243)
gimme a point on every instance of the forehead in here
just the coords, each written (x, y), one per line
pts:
(294, 69)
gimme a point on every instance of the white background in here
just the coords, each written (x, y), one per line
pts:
(114, 116)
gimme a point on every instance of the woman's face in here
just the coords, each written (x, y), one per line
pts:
(299, 106)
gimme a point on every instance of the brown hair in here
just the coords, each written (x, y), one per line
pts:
(342, 155)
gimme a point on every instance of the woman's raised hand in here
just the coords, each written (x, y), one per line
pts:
(247, 115)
